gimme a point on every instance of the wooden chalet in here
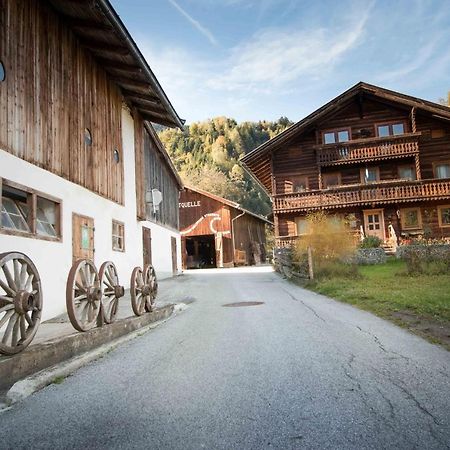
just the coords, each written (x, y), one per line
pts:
(82, 171)
(216, 232)
(379, 158)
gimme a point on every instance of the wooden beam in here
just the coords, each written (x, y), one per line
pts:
(116, 65)
(137, 95)
(104, 47)
(75, 22)
(132, 82)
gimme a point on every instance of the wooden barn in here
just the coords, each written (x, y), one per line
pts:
(377, 158)
(82, 171)
(216, 232)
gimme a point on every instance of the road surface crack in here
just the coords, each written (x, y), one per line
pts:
(304, 304)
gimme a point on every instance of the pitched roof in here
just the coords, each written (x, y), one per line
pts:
(101, 31)
(257, 162)
(227, 202)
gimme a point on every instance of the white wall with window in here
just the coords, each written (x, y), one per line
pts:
(49, 245)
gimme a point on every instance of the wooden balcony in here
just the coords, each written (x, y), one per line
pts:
(370, 149)
(396, 191)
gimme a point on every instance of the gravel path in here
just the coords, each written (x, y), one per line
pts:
(298, 371)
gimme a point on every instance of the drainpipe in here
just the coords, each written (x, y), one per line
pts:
(232, 231)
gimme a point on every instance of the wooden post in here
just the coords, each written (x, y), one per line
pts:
(310, 264)
(413, 120)
(417, 164)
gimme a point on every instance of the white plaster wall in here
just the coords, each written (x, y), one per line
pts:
(54, 259)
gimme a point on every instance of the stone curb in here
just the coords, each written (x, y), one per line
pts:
(28, 386)
(56, 351)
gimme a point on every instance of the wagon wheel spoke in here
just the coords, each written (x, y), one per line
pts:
(6, 317)
(28, 319)
(9, 328)
(23, 275)
(19, 279)
(7, 289)
(6, 307)
(9, 278)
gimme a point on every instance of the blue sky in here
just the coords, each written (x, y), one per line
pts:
(262, 59)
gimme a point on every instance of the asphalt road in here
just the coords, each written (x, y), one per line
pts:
(299, 371)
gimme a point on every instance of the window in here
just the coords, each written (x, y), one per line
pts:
(296, 184)
(442, 170)
(331, 179)
(335, 136)
(2, 72)
(370, 175)
(407, 172)
(46, 217)
(411, 218)
(27, 212)
(301, 225)
(390, 129)
(444, 216)
(87, 136)
(118, 236)
(438, 133)
(116, 155)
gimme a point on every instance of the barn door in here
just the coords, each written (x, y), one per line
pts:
(174, 255)
(147, 245)
(219, 249)
(82, 237)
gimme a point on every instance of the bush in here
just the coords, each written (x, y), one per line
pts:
(422, 260)
(371, 242)
(331, 243)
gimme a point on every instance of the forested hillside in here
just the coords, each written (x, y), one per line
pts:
(206, 154)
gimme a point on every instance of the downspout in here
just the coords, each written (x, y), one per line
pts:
(232, 231)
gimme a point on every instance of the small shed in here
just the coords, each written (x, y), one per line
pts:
(216, 232)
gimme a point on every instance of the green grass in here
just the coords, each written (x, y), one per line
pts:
(385, 289)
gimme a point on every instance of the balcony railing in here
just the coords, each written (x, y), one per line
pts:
(382, 192)
(369, 149)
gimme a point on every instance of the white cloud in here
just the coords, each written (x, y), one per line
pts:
(277, 57)
(202, 29)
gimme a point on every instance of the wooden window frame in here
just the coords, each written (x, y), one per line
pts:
(32, 196)
(439, 208)
(389, 123)
(362, 175)
(403, 212)
(292, 178)
(438, 163)
(402, 166)
(324, 176)
(296, 226)
(121, 225)
(336, 131)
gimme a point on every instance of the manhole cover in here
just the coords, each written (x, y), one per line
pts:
(239, 304)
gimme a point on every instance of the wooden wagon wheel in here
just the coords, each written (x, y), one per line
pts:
(111, 291)
(152, 282)
(20, 302)
(83, 295)
(138, 291)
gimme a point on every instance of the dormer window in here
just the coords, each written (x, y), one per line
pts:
(335, 136)
(390, 129)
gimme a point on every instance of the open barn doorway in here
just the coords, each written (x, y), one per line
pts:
(200, 252)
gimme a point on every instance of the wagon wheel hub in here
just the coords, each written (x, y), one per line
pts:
(119, 291)
(93, 294)
(23, 302)
(146, 290)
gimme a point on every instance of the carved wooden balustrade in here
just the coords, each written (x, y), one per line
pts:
(369, 149)
(382, 192)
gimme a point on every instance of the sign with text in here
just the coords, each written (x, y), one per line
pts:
(189, 204)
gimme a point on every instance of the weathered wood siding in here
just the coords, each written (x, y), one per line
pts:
(197, 215)
(53, 90)
(157, 175)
